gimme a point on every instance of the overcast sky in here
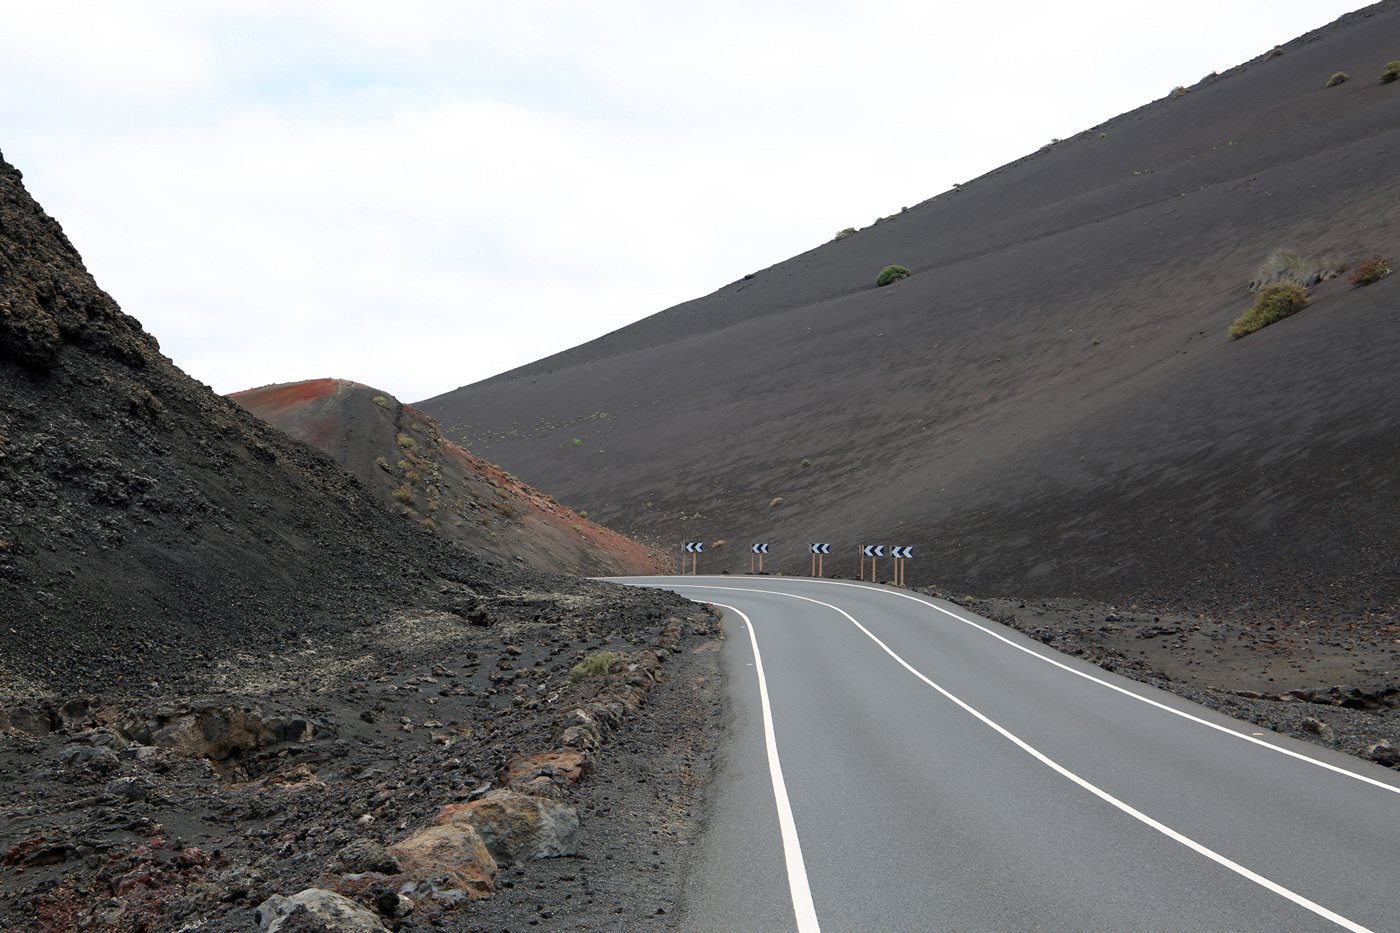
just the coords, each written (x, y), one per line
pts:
(418, 195)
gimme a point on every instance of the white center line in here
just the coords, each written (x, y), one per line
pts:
(1104, 795)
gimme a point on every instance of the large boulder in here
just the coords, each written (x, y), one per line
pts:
(517, 827)
(454, 852)
(327, 910)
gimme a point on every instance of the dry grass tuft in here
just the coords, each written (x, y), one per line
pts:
(1287, 265)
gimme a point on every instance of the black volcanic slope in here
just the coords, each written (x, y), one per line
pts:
(149, 527)
(1050, 405)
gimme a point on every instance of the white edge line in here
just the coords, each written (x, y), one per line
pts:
(1104, 795)
(802, 905)
(1090, 677)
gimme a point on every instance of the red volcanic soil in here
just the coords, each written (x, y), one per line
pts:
(398, 453)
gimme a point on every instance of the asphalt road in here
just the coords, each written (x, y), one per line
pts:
(895, 763)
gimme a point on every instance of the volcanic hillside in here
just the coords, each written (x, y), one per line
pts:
(398, 453)
(1050, 404)
(151, 530)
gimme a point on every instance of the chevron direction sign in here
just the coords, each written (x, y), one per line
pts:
(694, 547)
(900, 554)
(760, 550)
(821, 549)
(874, 550)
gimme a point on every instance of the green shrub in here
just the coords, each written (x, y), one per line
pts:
(403, 494)
(506, 509)
(406, 442)
(1340, 77)
(381, 401)
(1286, 265)
(892, 274)
(806, 463)
(1273, 303)
(1392, 71)
(1179, 91)
(594, 665)
(412, 477)
(1370, 271)
(849, 231)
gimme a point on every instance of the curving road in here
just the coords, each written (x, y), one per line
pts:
(898, 764)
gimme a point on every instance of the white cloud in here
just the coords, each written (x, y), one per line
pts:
(419, 195)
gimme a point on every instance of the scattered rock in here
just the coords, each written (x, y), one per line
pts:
(1382, 753)
(1318, 728)
(134, 789)
(364, 855)
(222, 734)
(97, 757)
(329, 911)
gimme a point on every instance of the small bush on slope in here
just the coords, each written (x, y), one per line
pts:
(1340, 77)
(891, 274)
(1392, 71)
(1273, 303)
(1370, 271)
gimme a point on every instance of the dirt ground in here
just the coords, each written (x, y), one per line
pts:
(101, 832)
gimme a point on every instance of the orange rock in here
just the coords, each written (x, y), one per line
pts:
(454, 850)
(547, 774)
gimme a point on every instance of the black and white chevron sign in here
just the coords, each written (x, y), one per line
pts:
(694, 547)
(901, 552)
(874, 550)
(821, 549)
(760, 549)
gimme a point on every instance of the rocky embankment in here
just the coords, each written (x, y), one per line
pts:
(434, 773)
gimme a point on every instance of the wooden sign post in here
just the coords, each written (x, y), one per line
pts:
(871, 551)
(760, 550)
(900, 555)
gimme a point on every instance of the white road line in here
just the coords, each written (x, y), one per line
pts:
(802, 906)
(1104, 795)
(1103, 683)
